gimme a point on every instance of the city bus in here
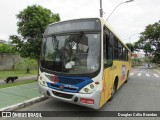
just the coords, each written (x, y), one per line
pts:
(82, 62)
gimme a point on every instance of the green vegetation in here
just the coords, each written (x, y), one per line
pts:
(5, 74)
(150, 41)
(16, 83)
(130, 46)
(136, 62)
(6, 48)
(31, 24)
(27, 64)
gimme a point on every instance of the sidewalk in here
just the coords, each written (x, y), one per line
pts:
(18, 96)
(157, 70)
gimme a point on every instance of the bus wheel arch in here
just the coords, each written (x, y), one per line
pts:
(127, 76)
(114, 88)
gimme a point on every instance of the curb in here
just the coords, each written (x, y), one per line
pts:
(23, 104)
(157, 70)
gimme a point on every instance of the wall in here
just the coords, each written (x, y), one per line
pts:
(8, 60)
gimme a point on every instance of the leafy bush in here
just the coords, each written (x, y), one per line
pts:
(27, 64)
(6, 48)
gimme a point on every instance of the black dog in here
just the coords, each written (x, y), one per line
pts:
(12, 79)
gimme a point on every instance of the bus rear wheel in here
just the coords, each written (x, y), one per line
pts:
(112, 92)
(127, 77)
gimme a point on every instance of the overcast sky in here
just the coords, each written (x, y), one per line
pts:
(128, 20)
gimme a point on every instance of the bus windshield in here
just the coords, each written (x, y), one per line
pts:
(75, 53)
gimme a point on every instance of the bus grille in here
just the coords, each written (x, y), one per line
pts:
(55, 86)
(63, 95)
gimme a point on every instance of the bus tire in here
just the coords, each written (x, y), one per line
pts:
(127, 77)
(114, 88)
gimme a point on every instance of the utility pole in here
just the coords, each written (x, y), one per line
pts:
(101, 10)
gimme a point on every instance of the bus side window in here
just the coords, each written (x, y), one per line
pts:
(108, 49)
(120, 47)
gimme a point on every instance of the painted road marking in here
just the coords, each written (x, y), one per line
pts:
(147, 75)
(155, 75)
(132, 74)
(139, 74)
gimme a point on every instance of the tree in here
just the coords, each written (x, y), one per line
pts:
(130, 46)
(32, 22)
(150, 41)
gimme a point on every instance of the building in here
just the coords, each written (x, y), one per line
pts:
(134, 55)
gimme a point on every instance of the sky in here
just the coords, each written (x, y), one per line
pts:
(127, 21)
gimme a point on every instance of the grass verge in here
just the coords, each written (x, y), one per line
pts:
(16, 83)
(5, 74)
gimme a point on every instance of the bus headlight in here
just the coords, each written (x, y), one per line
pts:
(89, 88)
(42, 81)
(86, 90)
(92, 86)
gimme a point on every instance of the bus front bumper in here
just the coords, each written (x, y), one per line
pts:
(91, 100)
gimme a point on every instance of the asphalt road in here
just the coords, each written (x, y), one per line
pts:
(141, 93)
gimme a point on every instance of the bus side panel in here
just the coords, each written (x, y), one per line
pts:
(122, 69)
(106, 86)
